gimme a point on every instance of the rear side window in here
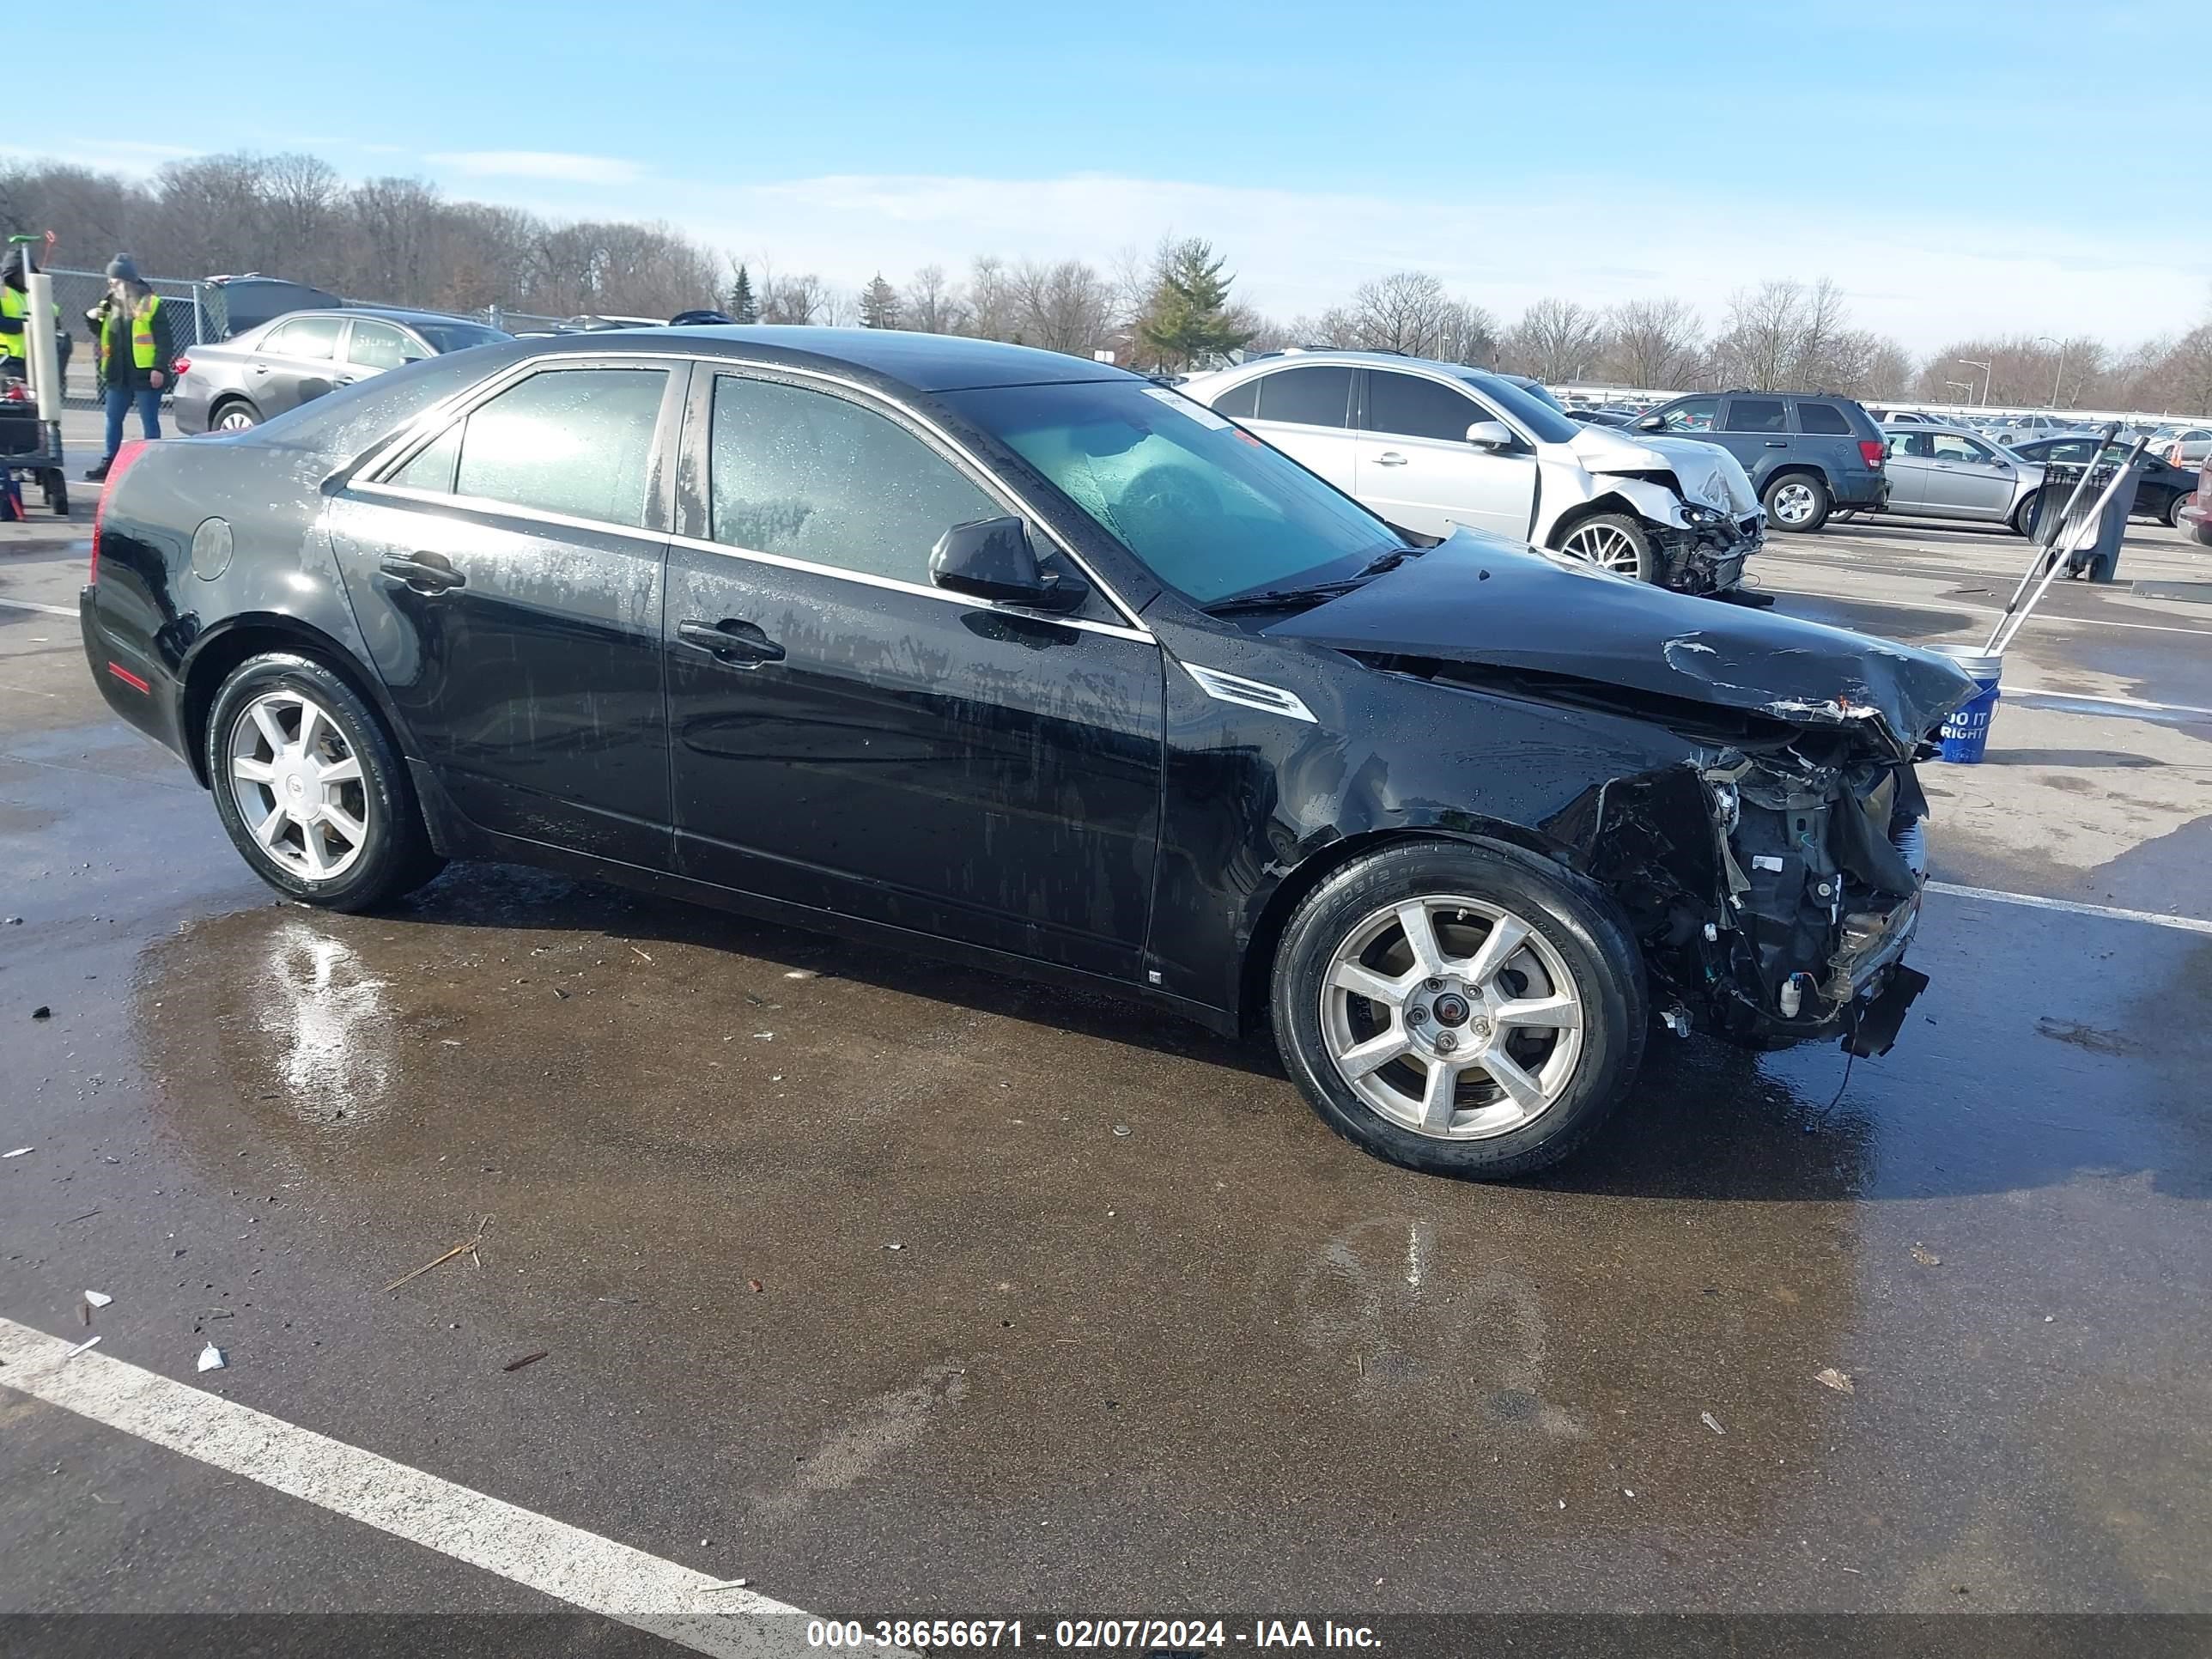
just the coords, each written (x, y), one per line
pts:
(576, 441)
(1317, 396)
(1241, 401)
(1756, 414)
(1409, 406)
(315, 338)
(1823, 418)
(811, 476)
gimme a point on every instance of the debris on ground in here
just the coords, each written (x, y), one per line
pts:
(90, 1342)
(763, 1036)
(1839, 1381)
(727, 1583)
(757, 1286)
(641, 953)
(466, 1247)
(1924, 1256)
(14, 921)
(1711, 1422)
(213, 1358)
(97, 1298)
(798, 973)
(42, 1013)
(1120, 1128)
(527, 1359)
(19, 1152)
(894, 1247)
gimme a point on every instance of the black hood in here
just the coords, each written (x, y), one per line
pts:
(1475, 599)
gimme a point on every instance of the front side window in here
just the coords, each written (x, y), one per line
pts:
(1207, 509)
(1914, 444)
(1406, 406)
(314, 339)
(1757, 415)
(1692, 414)
(1950, 447)
(576, 441)
(379, 345)
(1318, 395)
(810, 475)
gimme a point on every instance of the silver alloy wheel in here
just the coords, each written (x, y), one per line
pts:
(1793, 505)
(1452, 1016)
(298, 785)
(235, 419)
(1605, 545)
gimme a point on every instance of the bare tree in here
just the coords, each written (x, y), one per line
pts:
(1063, 306)
(1758, 350)
(1555, 340)
(1652, 344)
(991, 309)
(1404, 312)
(933, 305)
(795, 299)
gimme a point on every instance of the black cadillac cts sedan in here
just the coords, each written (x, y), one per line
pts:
(986, 651)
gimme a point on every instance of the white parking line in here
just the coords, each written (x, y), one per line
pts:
(578, 1567)
(44, 609)
(2047, 692)
(2072, 908)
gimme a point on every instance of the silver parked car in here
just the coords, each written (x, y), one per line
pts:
(232, 384)
(1948, 472)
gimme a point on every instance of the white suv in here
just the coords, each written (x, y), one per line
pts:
(1431, 446)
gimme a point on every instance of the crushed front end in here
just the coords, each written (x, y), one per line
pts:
(1705, 552)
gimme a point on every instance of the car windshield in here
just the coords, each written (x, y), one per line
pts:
(1207, 507)
(1539, 415)
(458, 337)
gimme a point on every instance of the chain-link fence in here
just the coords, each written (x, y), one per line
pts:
(194, 311)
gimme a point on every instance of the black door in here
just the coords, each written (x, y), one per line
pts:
(508, 576)
(847, 737)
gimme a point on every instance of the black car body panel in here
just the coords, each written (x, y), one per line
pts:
(1132, 794)
(2159, 482)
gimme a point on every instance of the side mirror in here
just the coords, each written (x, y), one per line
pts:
(1651, 423)
(1490, 435)
(992, 559)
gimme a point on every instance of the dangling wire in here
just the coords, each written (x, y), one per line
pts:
(1848, 1058)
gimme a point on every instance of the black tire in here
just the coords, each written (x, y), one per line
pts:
(230, 406)
(2173, 515)
(55, 483)
(1575, 922)
(1623, 537)
(1809, 518)
(394, 855)
(2023, 516)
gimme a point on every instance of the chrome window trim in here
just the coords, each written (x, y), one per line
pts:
(509, 510)
(397, 451)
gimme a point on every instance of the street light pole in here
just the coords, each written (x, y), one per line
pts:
(1968, 362)
(2058, 378)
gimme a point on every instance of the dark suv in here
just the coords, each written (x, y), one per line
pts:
(1806, 454)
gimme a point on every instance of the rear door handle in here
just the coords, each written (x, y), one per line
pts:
(260, 369)
(426, 572)
(1776, 443)
(730, 641)
(1389, 457)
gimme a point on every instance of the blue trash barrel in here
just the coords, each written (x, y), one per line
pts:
(1966, 734)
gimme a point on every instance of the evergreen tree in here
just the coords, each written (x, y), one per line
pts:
(880, 304)
(1187, 320)
(743, 306)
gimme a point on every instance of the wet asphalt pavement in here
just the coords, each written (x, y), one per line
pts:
(890, 1286)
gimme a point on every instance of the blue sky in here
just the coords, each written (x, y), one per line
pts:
(2025, 167)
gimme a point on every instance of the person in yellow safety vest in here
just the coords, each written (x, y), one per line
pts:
(134, 354)
(15, 308)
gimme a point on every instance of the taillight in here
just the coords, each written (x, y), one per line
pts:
(1870, 448)
(183, 364)
(122, 464)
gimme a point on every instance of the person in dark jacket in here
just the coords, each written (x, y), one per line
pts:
(135, 351)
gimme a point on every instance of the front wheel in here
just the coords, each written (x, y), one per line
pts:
(1797, 501)
(1463, 1009)
(2023, 516)
(2174, 510)
(1616, 541)
(311, 790)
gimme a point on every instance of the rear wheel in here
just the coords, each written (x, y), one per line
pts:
(311, 790)
(1463, 1009)
(2173, 509)
(1797, 501)
(1616, 541)
(236, 415)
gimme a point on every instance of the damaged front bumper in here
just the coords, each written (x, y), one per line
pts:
(1705, 554)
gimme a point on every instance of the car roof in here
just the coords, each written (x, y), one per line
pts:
(397, 314)
(924, 363)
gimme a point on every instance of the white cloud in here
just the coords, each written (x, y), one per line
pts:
(1925, 281)
(555, 165)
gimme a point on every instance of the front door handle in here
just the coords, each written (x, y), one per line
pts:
(1776, 443)
(260, 369)
(426, 572)
(730, 641)
(1389, 457)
